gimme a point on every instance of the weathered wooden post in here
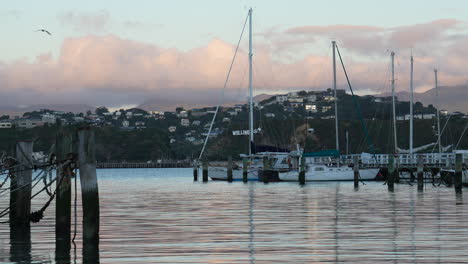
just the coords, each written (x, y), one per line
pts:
(205, 170)
(229, 169)
(245, 169)
(63, 150)
(458, 172)
(302, 172)
(420, 171)
(20, 204)
(195, 170)
(356, 171)
(89, 191)
(266, 169)
(391, 173)
(20, 198)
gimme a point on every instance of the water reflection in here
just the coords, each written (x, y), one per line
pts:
(152, 218)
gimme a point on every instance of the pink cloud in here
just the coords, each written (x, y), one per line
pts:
(110, 70)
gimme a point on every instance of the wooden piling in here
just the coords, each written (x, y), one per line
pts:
(195, 171)
(356, 171)
(458, 172)
(89, 186)
(302, 172)
(20, 198)
(229, 169)
(391, 173)
(205, 170)
(420, 171)
(63, 150)
(20, 204)
(245, 169)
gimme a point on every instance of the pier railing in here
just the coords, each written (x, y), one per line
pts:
(440, 160)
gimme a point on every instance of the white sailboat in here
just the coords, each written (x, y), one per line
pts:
(323, 172)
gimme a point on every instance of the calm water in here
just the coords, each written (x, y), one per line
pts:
(162, 216)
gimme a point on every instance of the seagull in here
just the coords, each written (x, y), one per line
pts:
(43, 30)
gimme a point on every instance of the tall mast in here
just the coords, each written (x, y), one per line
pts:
(336, 98)
(411, 109)
(437, 106)
(393, 103)
(251, 123)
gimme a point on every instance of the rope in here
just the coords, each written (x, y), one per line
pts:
(461, 136)
(358, 108)
(224, 88)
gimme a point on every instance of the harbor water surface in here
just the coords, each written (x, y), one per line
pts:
(162, 216)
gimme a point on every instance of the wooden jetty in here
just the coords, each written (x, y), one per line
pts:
(138, 165)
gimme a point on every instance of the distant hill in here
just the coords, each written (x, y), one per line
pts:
(161, 104)
(19, 110)
(451, 98)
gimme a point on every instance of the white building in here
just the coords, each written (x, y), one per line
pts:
(295, 99)
(48, 118)
(172, 129)
(312, 98)
(4, 124)
(185, 122)
(270, 115)
(281, 98)
(311, 108)
(182, 114)
(226, 120)
(326, 108)
(196, 123)
(125, 123)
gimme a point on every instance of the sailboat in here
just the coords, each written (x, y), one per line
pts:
(329, 172)
(255, 160)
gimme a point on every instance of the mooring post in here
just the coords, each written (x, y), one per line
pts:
(391, 173)
(229, 169)
(63, 150)
(302, 172)
(195, 170)
(458, 172)
(205, 170)
(20, 198)
(420, 171)
(20, 203)
(245, 169)
(266, 169)
(356, 171)
(89, 187)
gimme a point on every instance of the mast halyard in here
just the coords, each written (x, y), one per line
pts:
(251, 123)
(335, 97)
(393, 103)
(411, 109)
(437, 106)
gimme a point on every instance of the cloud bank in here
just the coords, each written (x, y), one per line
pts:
(109, 70)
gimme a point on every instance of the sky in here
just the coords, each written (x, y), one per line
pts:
(115, 53)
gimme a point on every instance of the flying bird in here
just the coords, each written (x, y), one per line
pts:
(43, 30)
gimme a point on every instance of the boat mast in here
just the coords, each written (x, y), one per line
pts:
(411, 109)
(393, 103)
(437, 106)
(335, 99)
(251, 123)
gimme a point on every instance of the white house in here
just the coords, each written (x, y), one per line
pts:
(196, 123)
(5, 124)
(172, 129)
(48, 118)
(226, 120)
(125, 123)
(311, 108)
(281, 98)
(185, 122)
